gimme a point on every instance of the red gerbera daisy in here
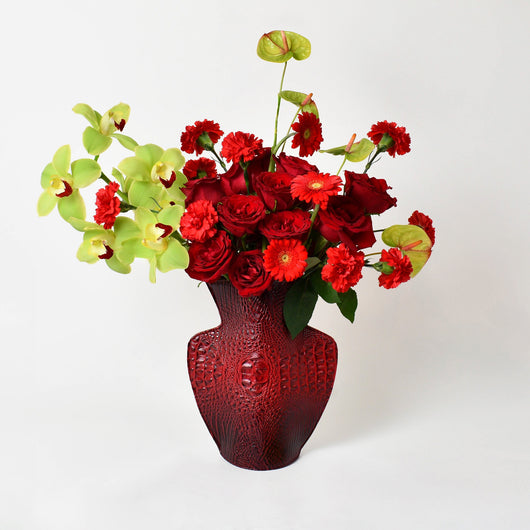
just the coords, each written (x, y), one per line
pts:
(308, 134)
(240, 146)
(198, 222)
(285, 259)
(202, 167)
(425, 222)
(343, 268)
(400, 143)
(196, 137)
(315, 187)
(107, 205)
(402, 268)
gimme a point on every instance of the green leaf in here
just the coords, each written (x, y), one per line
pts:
(324, 289)
(95, 143)
(279, 46)
(46, 203)
(360, 150)
(412, 241)
(174, 257)
(72, 206)
(299, 306)
(88, 112)
(84, 172)
(348, 304)
(126, 141)
(297, 98)
(61, 160)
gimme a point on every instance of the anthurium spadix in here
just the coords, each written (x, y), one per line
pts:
(97, 138)
(61, 183)
(153, 176)
(412, 241)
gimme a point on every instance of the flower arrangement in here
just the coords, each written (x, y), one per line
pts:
(247, 213)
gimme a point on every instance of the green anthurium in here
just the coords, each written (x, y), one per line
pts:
(279, 46)
(412, 241)
(358, 151)
(297, 98)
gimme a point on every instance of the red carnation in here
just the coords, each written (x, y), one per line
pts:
(248, 273)
(424, 222)
(308, 134)
(196, 137)
(400, 139)
(402, 268)
(343, 268)
(315, 188)
(198, 222)
(107, 205)
(240, 146)
(285, 259)
(202, 167)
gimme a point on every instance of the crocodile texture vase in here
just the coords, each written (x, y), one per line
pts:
(260, 392)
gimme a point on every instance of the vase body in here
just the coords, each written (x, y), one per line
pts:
(260, 392)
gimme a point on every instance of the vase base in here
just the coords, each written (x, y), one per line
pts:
(259, 466)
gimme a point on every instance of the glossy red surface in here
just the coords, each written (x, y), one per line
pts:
(260, 392)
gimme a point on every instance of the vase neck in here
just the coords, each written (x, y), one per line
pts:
(264, 309)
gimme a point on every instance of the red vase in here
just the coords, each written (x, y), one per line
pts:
(260, 392)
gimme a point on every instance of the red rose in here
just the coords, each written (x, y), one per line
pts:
(241, 213)
(288, 224)
(294, 166)
(248, 274)
(204, 189)
(233, 181)
(274, 189)
(344, 220)
(211, 259)
(369, 192)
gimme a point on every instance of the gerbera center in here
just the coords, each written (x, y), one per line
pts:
(315, 185)
(285, 258)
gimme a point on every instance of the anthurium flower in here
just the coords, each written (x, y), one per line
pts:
(153, 176)
(98, 136)
(412, 241)
(61, 183)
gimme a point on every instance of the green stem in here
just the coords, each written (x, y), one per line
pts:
(294, 119)
(372, 254)
(371, 160)
(281, 142)
(271, 163)
(341, 166)
(123, 196)
(313, 217)
(219, 159)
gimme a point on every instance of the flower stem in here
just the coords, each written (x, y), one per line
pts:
(281, 142)
(219, 159)
(271, 163)
(341, 166)
(313, 217)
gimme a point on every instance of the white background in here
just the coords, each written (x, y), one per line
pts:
(428, 424)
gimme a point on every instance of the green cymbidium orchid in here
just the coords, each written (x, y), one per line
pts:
(98, 136)
(153, 176)
(153, 239)
(412, 241)
(61, 187)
